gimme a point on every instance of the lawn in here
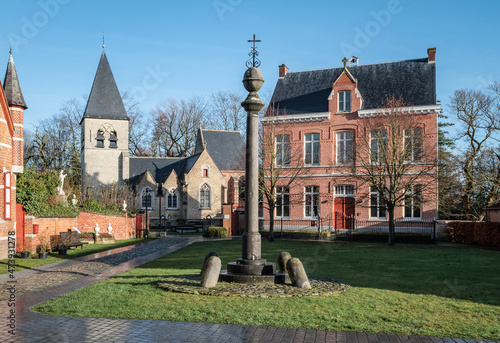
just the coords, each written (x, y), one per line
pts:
(405, 289)
(34, 261)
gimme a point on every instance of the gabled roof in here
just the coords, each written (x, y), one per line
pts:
(159, 167)
(11, 86)
(308, 91)
(226, 148)
(105, 101)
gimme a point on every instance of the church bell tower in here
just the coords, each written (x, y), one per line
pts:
(104, 137)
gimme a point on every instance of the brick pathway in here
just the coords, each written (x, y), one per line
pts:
(35, 327)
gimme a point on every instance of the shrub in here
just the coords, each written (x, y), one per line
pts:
(215, 231)
(86, 235)
(481, 233)
(97, 206)
(105, 235)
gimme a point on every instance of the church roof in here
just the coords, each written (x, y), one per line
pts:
(308, 91)
(105, 101)
(159, 167)
(11, 86)
(226, 148)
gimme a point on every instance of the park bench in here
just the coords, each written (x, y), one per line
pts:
(66, 240)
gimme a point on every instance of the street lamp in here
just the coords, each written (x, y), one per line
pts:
(159, 194)
(148, 199)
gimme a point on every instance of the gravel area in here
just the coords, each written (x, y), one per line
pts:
(77, 269)
(191, 284)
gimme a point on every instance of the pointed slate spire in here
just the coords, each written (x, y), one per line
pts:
(105, 101)
(11, 86)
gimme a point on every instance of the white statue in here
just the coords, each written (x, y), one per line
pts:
(124, 206)
(109, 228)
(74, 201)
(97, 229)
(62, 176)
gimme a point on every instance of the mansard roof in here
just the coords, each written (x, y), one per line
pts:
(226, 148)
(11, 86)
(105, 101)
(308, 91)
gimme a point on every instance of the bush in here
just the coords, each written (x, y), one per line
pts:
(105, 235)
(97, 206)
(481, 233)
(86, 235)
(215, 231)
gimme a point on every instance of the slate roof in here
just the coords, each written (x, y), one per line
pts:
(159, 167)
(227, 149)
(105, 101)
(308, 91)
(11, 86)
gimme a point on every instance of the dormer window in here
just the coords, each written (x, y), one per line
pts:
(345, 101)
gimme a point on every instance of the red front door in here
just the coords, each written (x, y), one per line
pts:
(20, 228)
(344, 208)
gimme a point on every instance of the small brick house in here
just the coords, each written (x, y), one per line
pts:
(321, 118)
(12, 106)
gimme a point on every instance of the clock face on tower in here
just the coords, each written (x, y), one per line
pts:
(107, 130)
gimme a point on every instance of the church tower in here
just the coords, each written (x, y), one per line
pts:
(17, 105)
(104, 134)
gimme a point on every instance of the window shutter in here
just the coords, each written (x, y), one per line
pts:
(7, 195)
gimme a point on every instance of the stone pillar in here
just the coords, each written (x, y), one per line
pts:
(252, 81)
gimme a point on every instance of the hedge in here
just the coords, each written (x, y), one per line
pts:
(215, 231)
(481, 233)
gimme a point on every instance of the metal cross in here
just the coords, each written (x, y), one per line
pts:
(254, 61)
(345, 61)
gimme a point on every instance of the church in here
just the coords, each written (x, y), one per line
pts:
(183, 188)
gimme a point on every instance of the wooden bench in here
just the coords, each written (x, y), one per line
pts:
(70, 239)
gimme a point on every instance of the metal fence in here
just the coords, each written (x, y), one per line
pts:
(335, 226)
(184, 225)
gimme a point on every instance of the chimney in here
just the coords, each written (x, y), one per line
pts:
(431, 53)
(283, 70)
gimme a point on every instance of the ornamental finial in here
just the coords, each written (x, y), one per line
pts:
(253, 61)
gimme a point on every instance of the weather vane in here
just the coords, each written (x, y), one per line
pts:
(253, 61)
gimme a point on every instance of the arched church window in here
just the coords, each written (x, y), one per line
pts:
(205, 196)
(147, 198)
(100, 139)
(173, 199)
(113, 140)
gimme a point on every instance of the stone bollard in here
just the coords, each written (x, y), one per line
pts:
(297, 273)
(211, 253)
(283, 259)
(211, 275)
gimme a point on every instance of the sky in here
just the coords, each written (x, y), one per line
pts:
(179, 49)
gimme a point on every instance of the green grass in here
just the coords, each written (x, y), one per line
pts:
(34, 261)
(406, 289)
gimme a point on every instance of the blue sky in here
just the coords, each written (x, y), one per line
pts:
(178, 49)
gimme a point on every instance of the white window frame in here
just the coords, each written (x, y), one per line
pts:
(345, 147)
(207, 168)
(203, 198)
(379, 207)
(143, 195)
(282, 150)
(311, 201)
(413, 141)
(376, 137)
(313, 141)
(413, 203)
(174, 193)
(344, 191)
(345, 101)
(283, 193)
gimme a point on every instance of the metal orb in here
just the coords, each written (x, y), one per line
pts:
(253, 79)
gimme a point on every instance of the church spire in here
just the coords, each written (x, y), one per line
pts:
(11, 86)
(105, 101)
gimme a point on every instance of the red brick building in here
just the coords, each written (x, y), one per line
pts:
(321, 118)
(12, 106)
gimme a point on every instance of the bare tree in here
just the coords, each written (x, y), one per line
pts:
(175, 126)
(396, 157)
(478, 122)
(226, 112)
(139, 127)
(280, 168)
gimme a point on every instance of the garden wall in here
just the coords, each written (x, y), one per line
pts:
(123, 227)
